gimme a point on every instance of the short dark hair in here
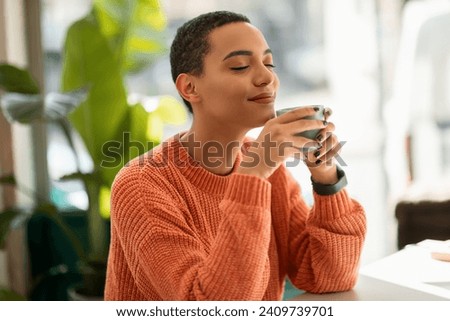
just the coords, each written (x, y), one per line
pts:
(191, 45)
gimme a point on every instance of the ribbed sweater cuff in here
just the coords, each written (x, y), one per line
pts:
(248, 190)
(333, 206)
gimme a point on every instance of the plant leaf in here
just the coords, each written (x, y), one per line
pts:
(104, 202)
(14, 79)
(129, 141)
(171, 111)
(59, 105)
(87, 178)
(48, 208)
(22, 108)
(50, 211)
(138, 130)
(155, 129)
(134, 30)
(6, 218)
(8, 179)
(89, 61)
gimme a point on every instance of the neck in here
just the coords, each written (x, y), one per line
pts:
(215, 150)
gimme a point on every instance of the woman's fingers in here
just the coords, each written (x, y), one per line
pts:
(298, 126)
(330, 148)
(326, 132)
(283, 135)
(327, 112)
(296, 113)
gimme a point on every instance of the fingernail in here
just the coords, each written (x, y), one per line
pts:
(325, 123)
(319, 137)
(317, 153)
(318, 162)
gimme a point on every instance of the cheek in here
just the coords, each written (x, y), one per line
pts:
(276, 82)
(235, 89)
(226, 89)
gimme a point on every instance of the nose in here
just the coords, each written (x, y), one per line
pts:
(264, 76)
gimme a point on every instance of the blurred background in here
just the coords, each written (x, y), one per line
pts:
(381, 65)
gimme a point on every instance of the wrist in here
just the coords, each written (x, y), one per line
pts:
(325, 174)
(330, 189)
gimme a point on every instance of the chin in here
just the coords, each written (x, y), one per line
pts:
(264, 120)
(261, 115)
(270, 113)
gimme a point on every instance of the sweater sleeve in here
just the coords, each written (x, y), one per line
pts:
(325, 242)
(164, 251)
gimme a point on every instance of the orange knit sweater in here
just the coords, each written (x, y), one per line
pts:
(180, 232)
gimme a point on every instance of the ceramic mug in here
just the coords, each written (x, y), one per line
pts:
(319, 115)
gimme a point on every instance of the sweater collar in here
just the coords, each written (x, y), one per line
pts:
(194, 172)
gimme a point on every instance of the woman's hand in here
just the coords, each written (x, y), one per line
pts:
(278, 141)
(321, 162)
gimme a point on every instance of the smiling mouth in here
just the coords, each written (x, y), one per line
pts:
(266, 100)
(263, 99)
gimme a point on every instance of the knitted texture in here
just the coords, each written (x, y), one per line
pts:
(180, 232)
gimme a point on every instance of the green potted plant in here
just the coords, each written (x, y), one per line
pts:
(115, 39)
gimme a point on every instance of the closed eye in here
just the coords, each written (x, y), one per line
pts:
(245, 67)
(239, 68)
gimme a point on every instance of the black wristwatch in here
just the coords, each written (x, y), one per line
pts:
(325, 189)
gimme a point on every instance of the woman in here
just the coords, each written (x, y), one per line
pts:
(211, 215)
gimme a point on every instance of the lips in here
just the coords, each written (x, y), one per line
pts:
(264, 98)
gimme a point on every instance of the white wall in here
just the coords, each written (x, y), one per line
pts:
(352, 65)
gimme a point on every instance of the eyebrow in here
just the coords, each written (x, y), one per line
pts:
(244, 53)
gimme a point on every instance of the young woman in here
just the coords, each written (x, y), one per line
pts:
(211, 215)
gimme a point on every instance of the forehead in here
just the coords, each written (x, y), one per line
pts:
(236, 36)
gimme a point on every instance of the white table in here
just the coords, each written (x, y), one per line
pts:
(410, 274)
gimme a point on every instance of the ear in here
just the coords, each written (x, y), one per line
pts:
(185, 84)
